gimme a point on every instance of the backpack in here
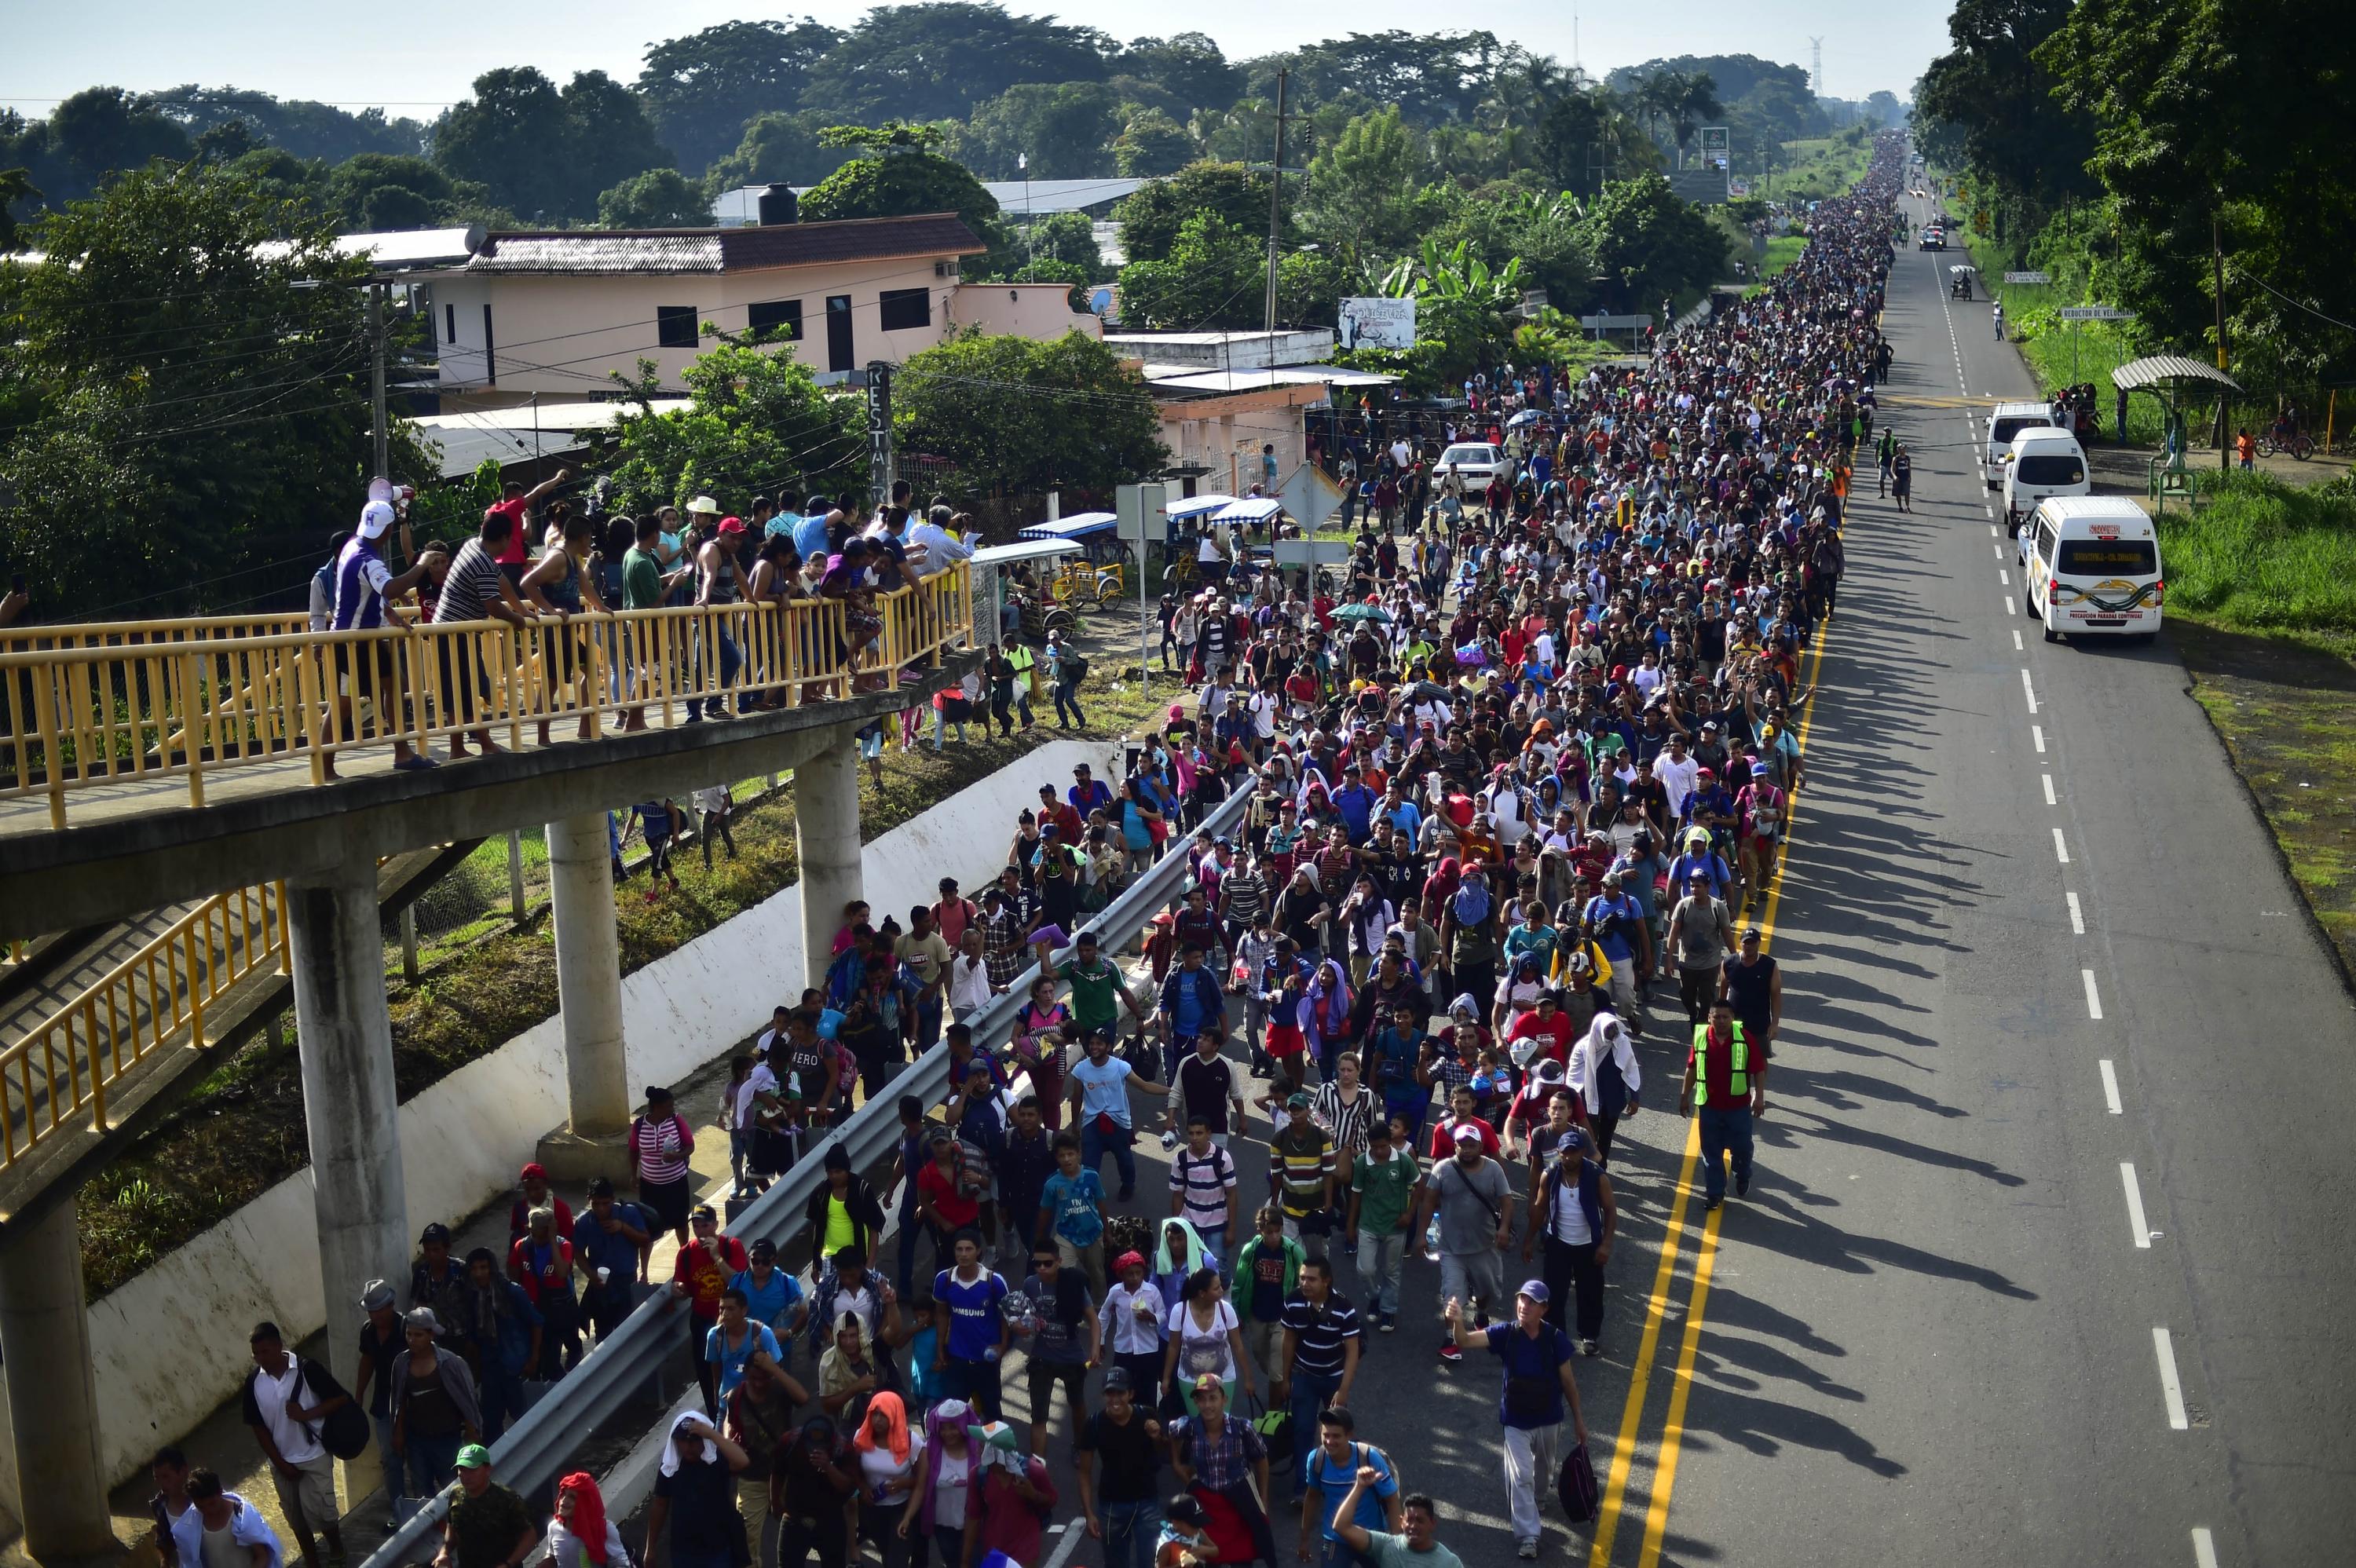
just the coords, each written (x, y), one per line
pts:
(344, 1431)
(1074, 666)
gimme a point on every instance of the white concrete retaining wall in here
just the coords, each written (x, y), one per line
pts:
(170, 1346)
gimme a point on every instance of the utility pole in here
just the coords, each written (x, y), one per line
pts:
(376, 382)
(2217, 256)
(1275, 209)
(880, 473)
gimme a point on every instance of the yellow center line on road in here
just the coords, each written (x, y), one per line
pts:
(1623, 1451)
(1656, 1516)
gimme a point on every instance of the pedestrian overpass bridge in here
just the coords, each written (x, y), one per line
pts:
(243, 775)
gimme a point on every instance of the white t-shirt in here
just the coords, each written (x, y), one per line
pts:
(969, 982)
(1677, 778)
(954, 1480)
(297, 1443)
(748, 1093)
(886, 1480)
(1201, 1349)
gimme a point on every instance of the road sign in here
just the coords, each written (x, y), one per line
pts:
(2028, 278)
(2093, 312)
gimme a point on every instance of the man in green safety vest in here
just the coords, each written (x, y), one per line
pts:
(1732, 1087)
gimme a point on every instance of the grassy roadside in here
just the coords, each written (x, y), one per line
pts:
(1822, 168)
(242, 1130)
(2262, 607)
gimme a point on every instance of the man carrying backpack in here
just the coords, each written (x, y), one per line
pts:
(287, 1401)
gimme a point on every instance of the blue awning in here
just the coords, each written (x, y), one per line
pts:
(1080, 525)
(1257, 510)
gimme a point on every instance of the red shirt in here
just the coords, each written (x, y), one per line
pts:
(952, 1208)
(519, 1216)
(1556, 1031)
(1713, 1092)
(1443, 1136)
(548, 1272)
(513, 552)
(707, 1271)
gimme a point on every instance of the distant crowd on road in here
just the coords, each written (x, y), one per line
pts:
(1516, 781)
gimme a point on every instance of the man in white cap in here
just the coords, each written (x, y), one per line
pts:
(363, 584)
(1540, 1390)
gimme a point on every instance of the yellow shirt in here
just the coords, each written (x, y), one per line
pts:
(839, 1231)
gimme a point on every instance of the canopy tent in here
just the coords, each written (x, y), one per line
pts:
(2162, 371)
(1195, 506)
(1257, 510)
(1079, 525)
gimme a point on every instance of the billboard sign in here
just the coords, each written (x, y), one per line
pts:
(1375, 323)
(2093, 312)
(1716, 147)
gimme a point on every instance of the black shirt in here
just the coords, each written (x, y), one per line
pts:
(1208, 1085)
(1321, 1333)
(1126, 1460)
(703, 1521)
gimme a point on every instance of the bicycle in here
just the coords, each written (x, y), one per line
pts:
(2296, 444)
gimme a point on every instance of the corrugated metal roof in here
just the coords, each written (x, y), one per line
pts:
(675, 251)
(2138, 374)
(589, 250)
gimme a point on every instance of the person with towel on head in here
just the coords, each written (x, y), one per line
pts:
(692, 1521)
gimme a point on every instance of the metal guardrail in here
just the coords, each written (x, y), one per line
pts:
(91, 705)
(539, 1447)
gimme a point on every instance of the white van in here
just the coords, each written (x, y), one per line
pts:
(2045, 462)
(2005, 421)
(2090, 566)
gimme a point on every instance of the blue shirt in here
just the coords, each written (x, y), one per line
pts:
(1407, 818)
(1607, 935)
(974, 1322)
(1524, 1357)
(593, 1246)
(789, 524)
(809, 536)
(1335, 1481)
(1077, 1204)
(774, 1303)
(1357, 803)
(731, 1362)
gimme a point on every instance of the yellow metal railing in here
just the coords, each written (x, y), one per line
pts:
(91, 705)
(58, 1075)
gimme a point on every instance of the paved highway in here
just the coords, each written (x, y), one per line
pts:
(2034, 1268)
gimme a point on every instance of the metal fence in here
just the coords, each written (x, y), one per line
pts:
(538, 1448)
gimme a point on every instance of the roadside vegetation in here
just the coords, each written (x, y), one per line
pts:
(2264, 556)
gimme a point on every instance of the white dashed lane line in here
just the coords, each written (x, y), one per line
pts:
(2036, 733)
(2077, 916)
(2047, 780)
(2111, 1088)
(2062, 854)
(2171, 1388)
(2137, 1226)
(2204, 1548)
(2093, 998)
(2029, 690)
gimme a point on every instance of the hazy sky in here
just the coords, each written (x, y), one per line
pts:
(415, 58)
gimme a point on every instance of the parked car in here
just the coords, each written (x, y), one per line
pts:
(1478, 461)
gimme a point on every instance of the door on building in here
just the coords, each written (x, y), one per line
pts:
(838, 332)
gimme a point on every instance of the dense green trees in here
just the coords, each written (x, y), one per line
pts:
(1650, 244)
(780, 149)
(704, 90)
(548, 155)
(659, 199)
(1064, 127)
(936, 59)
(1017, 414)
(178, 401)
(759, 422)
(1150, 219)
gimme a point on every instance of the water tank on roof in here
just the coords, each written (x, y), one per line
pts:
(779, 205)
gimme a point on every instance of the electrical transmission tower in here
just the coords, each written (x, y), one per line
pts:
(1816, 67)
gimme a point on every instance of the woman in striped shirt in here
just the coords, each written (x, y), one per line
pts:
(660, 1142)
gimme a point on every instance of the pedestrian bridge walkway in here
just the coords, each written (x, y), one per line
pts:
(179, 746)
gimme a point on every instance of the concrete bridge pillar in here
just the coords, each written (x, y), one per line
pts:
(826, 837)
(589, 993)
(344, 1038)
(52, 1391)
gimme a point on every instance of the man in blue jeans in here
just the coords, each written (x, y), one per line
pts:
(1321, 1359)
(1101, 1087)
(1119, 1459)
(1725, 1085)
(1193, 1005)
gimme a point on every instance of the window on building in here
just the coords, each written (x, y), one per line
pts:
(777, 319)
(904, 308)
(450, 320)
(675, 326)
